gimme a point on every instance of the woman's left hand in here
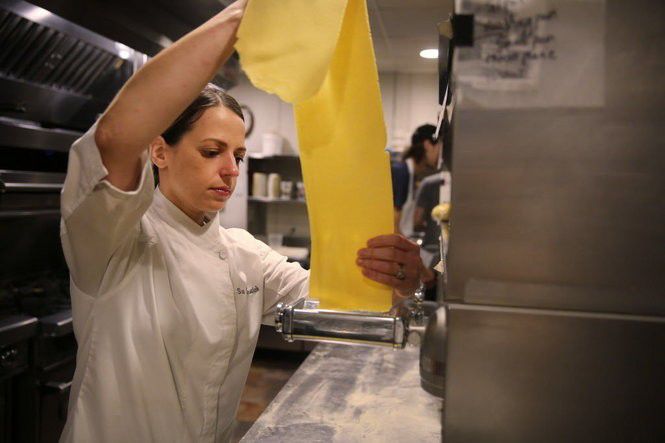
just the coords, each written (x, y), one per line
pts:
(394, 261)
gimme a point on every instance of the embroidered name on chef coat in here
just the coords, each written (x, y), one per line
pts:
(247, 291)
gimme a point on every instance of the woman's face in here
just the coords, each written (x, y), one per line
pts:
(199, 173)
(432, 151)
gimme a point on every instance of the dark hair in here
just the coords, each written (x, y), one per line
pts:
(211, 96)
(417, 148)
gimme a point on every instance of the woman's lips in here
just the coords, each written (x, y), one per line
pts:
(223, 192)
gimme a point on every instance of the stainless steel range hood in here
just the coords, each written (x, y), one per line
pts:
(61, 63)
(48, 55)
(55, 76)
(147, 26)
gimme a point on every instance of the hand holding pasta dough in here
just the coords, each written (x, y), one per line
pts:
(394, 261)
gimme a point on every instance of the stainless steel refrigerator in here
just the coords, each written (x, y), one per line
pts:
(556, 261)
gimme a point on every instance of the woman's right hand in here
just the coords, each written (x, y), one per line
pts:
(154, 97)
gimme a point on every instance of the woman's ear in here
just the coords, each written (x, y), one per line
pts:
(158, 154)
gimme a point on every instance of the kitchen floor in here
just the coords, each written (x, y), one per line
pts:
(269, 373)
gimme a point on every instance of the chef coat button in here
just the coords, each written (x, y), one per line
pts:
(222, 255)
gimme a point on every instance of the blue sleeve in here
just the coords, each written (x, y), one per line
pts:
(400, 178)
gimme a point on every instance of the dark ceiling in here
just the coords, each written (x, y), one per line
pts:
(145, 25)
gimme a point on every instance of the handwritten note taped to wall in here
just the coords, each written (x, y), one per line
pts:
(318, 55)
(533, 53)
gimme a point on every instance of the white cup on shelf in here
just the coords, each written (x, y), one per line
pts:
(286, 187)
(259, 184)
(274, 182)
(300, 189)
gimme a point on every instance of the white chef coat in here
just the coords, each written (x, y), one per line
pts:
(166, 312)
(409, 206)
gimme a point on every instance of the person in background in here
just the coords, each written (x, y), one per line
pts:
(419, 161)
(426, 199)
(166, 303)
(433, 190)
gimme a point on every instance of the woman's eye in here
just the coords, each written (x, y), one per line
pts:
(210, 153)
(239, 160)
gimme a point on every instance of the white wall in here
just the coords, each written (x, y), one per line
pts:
(409, 100)
(271, 115)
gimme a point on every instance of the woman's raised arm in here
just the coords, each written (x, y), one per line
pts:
(154, 97)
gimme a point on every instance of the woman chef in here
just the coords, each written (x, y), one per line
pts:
(166, 304)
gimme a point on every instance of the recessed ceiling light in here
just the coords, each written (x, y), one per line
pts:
(429, 53)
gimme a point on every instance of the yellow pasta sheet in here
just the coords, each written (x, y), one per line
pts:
(318, 55)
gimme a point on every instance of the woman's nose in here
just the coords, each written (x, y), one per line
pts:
(229, 166)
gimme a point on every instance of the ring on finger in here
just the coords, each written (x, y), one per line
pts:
(400, 275)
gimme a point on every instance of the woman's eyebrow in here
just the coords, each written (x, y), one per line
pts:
(220, 143)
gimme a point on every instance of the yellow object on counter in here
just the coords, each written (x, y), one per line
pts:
(318, 55)
(441, 212)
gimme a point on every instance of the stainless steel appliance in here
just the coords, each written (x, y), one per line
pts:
(16, 331)
(147, 26)
(555, 302)
(55, 78)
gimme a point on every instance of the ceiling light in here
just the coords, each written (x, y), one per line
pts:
(37, 14)
(124, 52)
(429, 53)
